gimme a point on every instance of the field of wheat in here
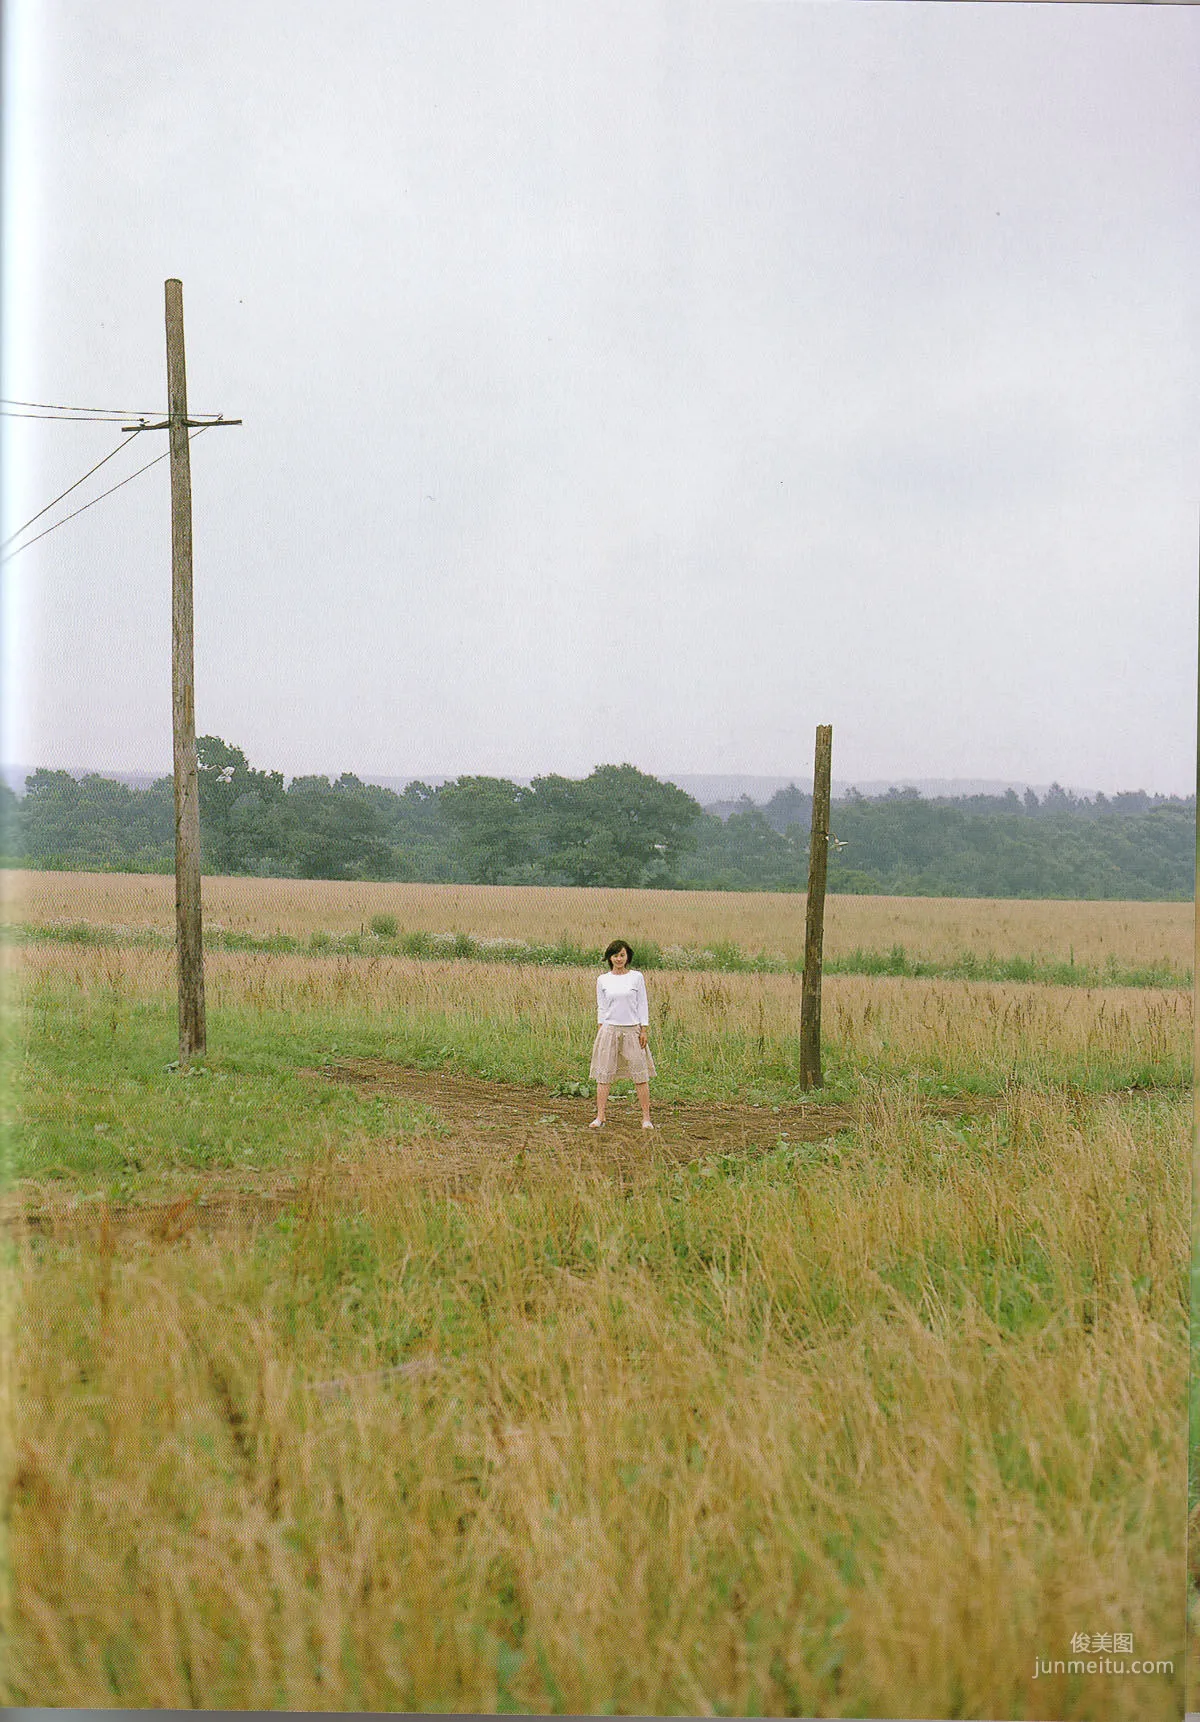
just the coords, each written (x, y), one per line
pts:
(348, 1370)
(1137, 934)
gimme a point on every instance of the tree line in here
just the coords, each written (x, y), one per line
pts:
(617, 827)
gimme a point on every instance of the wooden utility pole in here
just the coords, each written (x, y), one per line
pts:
(188, 940)
(188, 931)
(814, 920)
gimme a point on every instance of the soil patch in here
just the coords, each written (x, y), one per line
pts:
(496, 1132)
(467, 1106)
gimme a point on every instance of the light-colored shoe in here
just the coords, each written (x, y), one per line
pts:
(647, 1124)
(596, 1124)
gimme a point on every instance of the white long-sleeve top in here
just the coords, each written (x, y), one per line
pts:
(621, 1000)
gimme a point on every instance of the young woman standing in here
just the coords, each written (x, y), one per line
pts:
(620, 1048)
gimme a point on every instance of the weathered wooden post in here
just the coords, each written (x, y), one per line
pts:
(188, 932)
(814, 919)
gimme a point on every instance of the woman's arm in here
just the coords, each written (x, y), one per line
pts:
(643, 1009)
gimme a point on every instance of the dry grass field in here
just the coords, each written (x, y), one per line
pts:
(1138, 934)
(351, 1371)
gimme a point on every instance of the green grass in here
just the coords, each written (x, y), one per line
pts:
(100, 1102)
(968, 966)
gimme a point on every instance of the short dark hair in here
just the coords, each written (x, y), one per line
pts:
(618, 945)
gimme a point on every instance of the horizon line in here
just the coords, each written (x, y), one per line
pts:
(781, 780)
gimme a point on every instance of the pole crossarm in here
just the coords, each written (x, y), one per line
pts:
(199, 424)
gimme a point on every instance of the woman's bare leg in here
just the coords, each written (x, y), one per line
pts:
(643, 1094)
(602, 1089)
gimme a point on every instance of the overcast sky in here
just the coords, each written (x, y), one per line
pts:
(644, 382)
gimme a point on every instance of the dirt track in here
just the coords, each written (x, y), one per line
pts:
(505, 1111)
(479, 1130)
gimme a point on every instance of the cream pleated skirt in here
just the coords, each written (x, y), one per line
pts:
(616, 1054)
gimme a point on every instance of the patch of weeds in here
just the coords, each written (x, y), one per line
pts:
(270, 944)
(77, 933)
(1019, 1295)
(727, 958)
(417, 1119)
(728, 1165)
(827, 1151)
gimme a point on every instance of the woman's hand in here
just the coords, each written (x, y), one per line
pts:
(643, 1037)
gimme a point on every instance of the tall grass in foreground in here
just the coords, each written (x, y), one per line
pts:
(866, 1440)
(862, 1426)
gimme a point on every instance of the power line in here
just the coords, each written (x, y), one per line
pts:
(68, 418)
(55, 407)
(78, 415)
(96, 499)
(91, 469)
